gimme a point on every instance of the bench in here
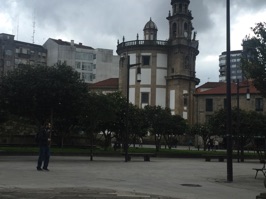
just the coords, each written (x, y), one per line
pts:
(146, 156)
(263, 170)
(219, 157)
(261, 155)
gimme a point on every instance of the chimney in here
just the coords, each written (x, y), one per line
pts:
(72, 43)
(80, 44)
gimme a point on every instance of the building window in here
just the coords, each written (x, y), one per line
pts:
(144, 98)
(8, 52)
(173, 70)
(78, 65)
(25, 51)
(87, 66)
(259, 104)
(146, 60)
(209, 105)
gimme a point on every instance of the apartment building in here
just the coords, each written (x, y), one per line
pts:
(235, 61)
(93, 65)
(14, 53)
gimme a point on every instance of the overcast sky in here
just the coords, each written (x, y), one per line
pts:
(100, 23)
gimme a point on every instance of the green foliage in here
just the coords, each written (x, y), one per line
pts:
(163, 124)
(42, 94)
(203, 130)
(250, 123)
(254, 59)
(37, 92)
(56, 94)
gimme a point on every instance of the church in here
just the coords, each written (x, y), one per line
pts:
(167, 67)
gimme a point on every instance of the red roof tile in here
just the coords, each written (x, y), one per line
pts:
(221, 90)
(108, 83)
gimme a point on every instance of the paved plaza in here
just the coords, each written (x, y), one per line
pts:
(111, 177)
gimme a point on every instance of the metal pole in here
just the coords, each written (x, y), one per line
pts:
(127, 111)
(228, 97)
(238, 120)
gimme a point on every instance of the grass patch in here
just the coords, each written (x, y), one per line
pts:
(111, 152)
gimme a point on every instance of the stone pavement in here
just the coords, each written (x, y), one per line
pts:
(111, 177)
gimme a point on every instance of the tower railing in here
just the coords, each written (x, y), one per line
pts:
(142, 42)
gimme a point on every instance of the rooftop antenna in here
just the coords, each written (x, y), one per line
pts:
(18, 28)
(33, 25)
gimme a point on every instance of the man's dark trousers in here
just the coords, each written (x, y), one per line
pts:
(44, 156)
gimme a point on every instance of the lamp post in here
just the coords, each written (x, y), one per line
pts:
(138, 77)
(238, 118)
(228, 97)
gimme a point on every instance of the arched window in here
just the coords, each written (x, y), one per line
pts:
(174, 9)
(174, 30)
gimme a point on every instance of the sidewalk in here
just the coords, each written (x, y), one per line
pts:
(105, 177)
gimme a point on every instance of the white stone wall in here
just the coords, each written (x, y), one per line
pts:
(107, 65)
(132, 95)
(161, 60)
(161, 97)
(52, 52)
(172, 100)
(145, 76)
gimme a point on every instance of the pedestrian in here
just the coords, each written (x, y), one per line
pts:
(43, 139)
(216, 144)
(140, 142)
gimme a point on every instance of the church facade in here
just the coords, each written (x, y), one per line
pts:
(168, 77)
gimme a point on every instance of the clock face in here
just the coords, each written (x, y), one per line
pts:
(185, 34)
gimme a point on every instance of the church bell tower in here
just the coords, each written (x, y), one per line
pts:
(181, 78)
(168, 76)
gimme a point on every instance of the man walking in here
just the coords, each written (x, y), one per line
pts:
(44, 140)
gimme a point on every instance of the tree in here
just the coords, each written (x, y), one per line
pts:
(157, 118)
(138, 125)
(175, 126)
(99, 115)
(202, 130)
(43, 94)
(254, 57)
(250, 124)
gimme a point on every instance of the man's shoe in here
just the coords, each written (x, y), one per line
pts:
(39, 169)
(45, 169)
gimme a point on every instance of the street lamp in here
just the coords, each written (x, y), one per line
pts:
(138, 78)
(228, 97)
(238, 118)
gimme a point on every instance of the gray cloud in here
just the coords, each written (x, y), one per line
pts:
(100, 23)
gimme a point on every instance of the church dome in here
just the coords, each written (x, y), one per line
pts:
(150, 25)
